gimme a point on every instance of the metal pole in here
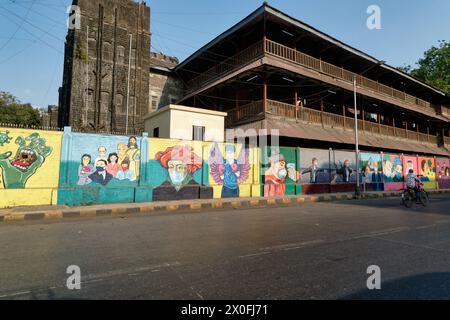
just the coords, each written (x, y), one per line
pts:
(358, 189)
(128, 83)
(86, 102)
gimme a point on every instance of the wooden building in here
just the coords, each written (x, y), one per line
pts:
(272, 71)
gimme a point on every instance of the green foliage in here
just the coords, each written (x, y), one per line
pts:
(434, 67)
(12, 111)
(81, 52)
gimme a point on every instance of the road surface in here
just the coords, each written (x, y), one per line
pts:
(313, 251)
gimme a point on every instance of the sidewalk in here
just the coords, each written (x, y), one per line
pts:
(63, 212)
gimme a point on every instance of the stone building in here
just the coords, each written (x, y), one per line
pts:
(104, 87)
(49, 116)
(165, 87)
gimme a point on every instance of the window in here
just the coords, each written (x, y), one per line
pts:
(107, 51)
(198, 133)
(119, 103)
(156, 132)
(154, 102)
(133, 58)
(120, 54)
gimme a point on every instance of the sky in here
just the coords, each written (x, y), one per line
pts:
(32, 33)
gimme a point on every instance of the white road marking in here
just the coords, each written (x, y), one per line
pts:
(254, 255)
(98, 277)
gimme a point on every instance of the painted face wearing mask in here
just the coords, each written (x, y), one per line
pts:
(281, 170)
(282, 173)
(100, 166)
(177, 172)
(230, 157)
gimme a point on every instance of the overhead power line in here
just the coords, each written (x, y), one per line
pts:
(18, 27)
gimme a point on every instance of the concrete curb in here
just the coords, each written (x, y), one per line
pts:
(183, 206)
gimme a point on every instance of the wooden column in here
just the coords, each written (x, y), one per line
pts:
(443, 136)
(379, 122)
(393, 124)
(343, 113)
(417, 128)
(265, 93)
(363, 119)
(264, 31)
(296, 104)
(428, 134)
(321, 112)
(301, 110)
(406, 122)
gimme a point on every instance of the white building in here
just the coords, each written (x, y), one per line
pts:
(186, 123)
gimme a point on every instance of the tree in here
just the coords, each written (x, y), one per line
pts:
(12, 111)
(434, 67)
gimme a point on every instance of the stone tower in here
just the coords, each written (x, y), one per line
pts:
(105, 81)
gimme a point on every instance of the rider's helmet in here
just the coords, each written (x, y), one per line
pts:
(411, 171)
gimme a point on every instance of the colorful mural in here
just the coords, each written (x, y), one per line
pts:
(392, 168)
(372, 171)
(29, 165)
(427, 172)
(201, 170)
(4, 138)
(314, 166)
(29, 156)
(99, 168)
(427, 169)
(392, 172)
(279, 172)
(180, 162)
(229, 171)
(410, 162)
(443, 172)
(120, 164)
(342, 167)
(233, 170)
(45, 167)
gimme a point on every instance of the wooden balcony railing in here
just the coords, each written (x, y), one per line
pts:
(245, 112)
(256, 108)
(447, 141)
(249, 54)
(258, 49)
(303, 59)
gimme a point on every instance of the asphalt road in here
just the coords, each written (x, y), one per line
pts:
(313, 251)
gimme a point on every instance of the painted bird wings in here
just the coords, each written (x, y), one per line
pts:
(216, 163)
(243, 165)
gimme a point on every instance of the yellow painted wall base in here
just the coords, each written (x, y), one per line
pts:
(431, 185)
(27, 197)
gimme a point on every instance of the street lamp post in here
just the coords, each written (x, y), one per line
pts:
(355, 109)
(358, 184)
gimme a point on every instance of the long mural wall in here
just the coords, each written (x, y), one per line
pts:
(100, 169)
(181, 170)
(67, 168)
(29, 167)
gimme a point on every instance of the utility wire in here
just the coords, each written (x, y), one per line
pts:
(31, 24)
(30, 33)
(18, 27)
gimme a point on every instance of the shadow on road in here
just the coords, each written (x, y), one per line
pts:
(438, 204)
(423, 286)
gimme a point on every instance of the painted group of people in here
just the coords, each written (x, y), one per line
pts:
(393, 170)
(280, 170)
(345, 172)
(121, 165)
